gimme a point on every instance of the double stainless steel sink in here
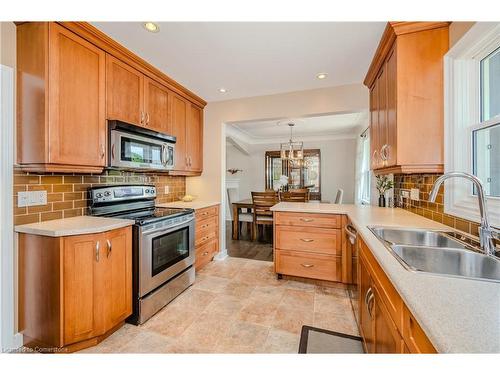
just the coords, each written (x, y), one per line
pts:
(438, 252)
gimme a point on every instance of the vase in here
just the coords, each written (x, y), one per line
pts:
(381, 200)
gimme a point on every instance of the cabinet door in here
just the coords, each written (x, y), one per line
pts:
(124, 92)
(117, 255)
(156, 106)
(391, 128)
(365, 315)
(382, 116)
(387, 337)
(178, 118)
(374, 128)
(83, 281)
(194, 137)
(77, 123)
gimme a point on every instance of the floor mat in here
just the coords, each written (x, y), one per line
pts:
(317, 340)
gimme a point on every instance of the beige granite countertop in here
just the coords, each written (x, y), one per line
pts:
(195, 205)
(458, 315)
(73, 226)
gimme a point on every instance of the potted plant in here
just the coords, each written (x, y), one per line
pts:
(383, 184)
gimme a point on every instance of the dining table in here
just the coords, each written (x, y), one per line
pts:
(237, 207)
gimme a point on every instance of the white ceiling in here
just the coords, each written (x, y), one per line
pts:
(305, 129)
(253, 58)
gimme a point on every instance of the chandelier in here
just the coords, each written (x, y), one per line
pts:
(291, 150)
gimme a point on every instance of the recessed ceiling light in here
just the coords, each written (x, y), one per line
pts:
(321, 75)
(151, 26)
(222, 90)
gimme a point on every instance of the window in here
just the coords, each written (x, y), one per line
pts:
(365, 170)
(472, 120)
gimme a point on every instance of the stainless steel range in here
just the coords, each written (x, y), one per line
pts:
(163, 244)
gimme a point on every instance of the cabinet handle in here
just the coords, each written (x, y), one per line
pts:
(113, 151)
(142, 117)
(306, 239)
(147, 118)
(375, 155)
(351, 232)
(306, 220)
(97, 246)
(190, 161)
(307, 265)
(367, 294)
(103, 152)
(109, 248)
(369, 306)
(384, 152)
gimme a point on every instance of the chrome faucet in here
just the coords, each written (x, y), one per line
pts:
(487, 234)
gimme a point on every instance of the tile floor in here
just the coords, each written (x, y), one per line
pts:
(236, 306)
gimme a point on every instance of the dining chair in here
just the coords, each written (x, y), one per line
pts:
(290, 196)
(302, 191)
(339, 197)
(243, 217)
(262, 214)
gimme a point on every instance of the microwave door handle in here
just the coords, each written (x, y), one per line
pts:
(163, 154)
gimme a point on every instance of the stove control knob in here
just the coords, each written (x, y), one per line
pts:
(99, 195)
(152, 190)
(107, 193)
(147, 191)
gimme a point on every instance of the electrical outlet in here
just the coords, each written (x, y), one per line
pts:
(405, 193)
(167, 189)
(31, 198)
(415, 194)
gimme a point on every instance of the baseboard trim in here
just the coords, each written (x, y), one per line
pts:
(221, 255)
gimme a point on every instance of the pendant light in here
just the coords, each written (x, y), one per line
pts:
(292, 150)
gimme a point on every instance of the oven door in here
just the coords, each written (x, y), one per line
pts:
(163, 253)
(131, 151)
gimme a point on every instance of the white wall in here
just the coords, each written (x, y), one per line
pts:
(8, 338)
(348, 98)
(337, 167)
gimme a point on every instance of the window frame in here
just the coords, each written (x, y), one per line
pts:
(462, 91)
(365, 172)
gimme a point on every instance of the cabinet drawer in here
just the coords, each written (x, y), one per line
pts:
(414, 335)
(314, 266)
(205, 224)
(388, 293)
(203, 213)
(308, 239)
(308, 220)
(205, 253)
(205, 236)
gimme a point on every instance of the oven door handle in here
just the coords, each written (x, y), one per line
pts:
(168, 229)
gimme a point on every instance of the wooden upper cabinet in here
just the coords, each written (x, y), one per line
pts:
(61, 120)
(178, 122)
(194, 136)
(156, 106)
(124, 92)
(71, 79)
(83, 293)
(406, 98)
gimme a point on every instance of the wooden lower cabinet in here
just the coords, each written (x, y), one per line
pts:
(308, 245)
(207, 235)
(74, 290)
(385, 323)
(387, 337)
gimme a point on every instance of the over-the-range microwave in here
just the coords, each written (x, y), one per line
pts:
(134, 148)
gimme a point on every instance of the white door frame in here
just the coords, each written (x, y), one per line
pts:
(9, 339)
